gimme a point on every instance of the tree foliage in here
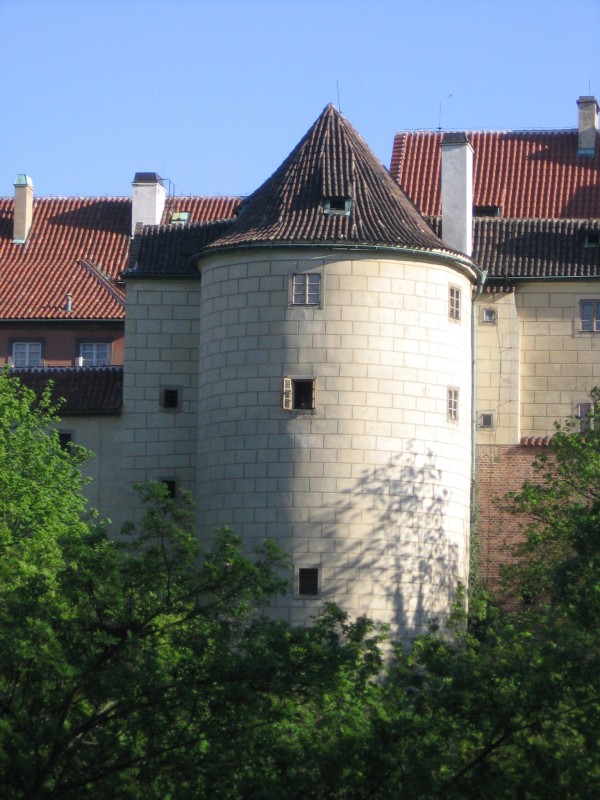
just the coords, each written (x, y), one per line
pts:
(143, 666)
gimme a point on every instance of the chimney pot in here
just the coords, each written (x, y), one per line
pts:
(23, 208)
(587, 128)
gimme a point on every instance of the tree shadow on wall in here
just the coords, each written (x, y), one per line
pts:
(402, 556)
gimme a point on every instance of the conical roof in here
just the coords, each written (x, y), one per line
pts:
(331, 189)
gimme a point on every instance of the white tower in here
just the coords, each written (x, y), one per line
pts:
(334, 388)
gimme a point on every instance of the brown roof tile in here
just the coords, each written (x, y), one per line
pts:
(85, 390)
(535, 248)
(331, 161)
(526, 173)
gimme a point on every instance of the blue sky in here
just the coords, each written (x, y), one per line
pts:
(213, 94)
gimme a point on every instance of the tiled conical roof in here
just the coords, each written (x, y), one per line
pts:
(332, 162)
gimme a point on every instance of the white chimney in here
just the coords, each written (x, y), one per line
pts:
(23, 208)
(148, 201)
(587, 127)
(457, 192)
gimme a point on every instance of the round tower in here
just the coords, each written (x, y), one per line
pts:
(334, 410)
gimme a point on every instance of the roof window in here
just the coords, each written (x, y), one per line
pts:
(487, 211)
(340, 206)
(180, 217)
(591, 238)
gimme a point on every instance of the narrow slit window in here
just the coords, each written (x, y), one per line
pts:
(453, 405)
(308, 581)
(585, 413)
(171, 487)
(454, 303)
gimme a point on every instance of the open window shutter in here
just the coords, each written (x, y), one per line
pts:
(287, 394)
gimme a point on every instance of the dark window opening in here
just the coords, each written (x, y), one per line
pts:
(308, 581)
(171, 487)
(65, 439)
(302, 395)
(486, 420)
(487, 211)
(591, 239)
(170, 398)
(337, 205)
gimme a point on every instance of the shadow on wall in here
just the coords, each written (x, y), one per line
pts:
(401, 556)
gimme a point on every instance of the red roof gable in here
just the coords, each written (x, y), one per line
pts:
(529, 174)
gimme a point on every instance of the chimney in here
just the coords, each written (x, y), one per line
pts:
(23, 209)
(587, 127)
(457, 192)
(148, 201)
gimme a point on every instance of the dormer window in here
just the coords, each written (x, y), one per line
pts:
(180, 217)
(591, 238)
(340, 206)
(487, 211)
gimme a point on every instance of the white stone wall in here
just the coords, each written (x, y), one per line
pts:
(559, 363)
(161, 351)
(102, 435)
(372, 488)
(498, 348)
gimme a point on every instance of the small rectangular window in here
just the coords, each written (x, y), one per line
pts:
(485, 420)
(488, 315)
(169, 398)
(454, 303)
(306, 289)
(65, 439)
(487, 211)
(94, 354)
(171, 487)
(590, 315)
(591, 238)
(299, 394)
(339, 206)
(453, 404)
(308, 581)
(180, 217)
(585, 412)
(27, 354)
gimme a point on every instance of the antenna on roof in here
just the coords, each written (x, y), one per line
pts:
(440, 114)
(337, 85)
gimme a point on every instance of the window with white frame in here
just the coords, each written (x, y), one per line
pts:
(299, 394)
(94, 354)
(485, 420)
(454, 303)
(27, 354)
(585, 414)
(306, 289)
(589, 315)
(452, 404)
(488, 315)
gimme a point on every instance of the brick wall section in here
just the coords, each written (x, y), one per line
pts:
(500, 469)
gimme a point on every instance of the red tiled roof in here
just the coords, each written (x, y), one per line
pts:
(331, 161)
(535, 174)
(75, 245)
(85, 390)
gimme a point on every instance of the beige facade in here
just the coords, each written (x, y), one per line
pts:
(535, 364)
(371, 486)
(160, 383)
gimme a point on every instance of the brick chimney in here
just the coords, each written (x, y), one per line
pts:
(148, 201)
(457, 192)
(23, 208)
(587, 127)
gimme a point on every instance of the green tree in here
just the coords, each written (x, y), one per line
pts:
(142, 667)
